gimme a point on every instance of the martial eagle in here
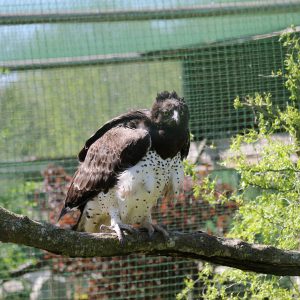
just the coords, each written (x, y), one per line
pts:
(128, 164)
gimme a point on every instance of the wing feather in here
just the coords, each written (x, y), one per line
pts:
(136, 115)
(186, 146)
(117, 149)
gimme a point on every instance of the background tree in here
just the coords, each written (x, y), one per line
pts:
(269, 193)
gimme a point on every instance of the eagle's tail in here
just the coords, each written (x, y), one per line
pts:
(65, 211)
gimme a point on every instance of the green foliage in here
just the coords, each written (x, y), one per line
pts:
(269, 191)
(235, 285)
(189, 286)
(207, 190)
(17, 196)
(189, 169)
(4, 71)
(12, 256)
(292, 63)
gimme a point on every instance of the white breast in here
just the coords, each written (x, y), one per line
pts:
(140, 186)
(137, 191)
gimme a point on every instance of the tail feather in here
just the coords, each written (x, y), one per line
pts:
(67, 210)
(64, 211)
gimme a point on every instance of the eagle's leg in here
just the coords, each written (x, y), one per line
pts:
(125, 227)
(118, 227)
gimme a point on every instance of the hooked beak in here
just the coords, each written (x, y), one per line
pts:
(175, 116)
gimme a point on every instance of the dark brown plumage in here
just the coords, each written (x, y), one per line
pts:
(122, 143)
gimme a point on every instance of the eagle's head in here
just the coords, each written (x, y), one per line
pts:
(169, 110)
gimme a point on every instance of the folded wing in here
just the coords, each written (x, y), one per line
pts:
(116, 150)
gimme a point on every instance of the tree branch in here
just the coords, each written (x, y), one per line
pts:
(198, 245)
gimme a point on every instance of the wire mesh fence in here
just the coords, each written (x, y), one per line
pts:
(69, 66)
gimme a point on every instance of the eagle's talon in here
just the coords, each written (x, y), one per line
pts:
(147, 230)
(128, 228)
(105, 227)
(150, 232)
(118, 229)
(162, 230)
(151, 228)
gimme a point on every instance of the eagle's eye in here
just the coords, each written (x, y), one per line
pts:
(166, 112)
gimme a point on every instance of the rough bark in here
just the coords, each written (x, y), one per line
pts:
(197, 245)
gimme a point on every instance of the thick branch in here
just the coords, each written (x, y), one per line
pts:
(228, 252)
